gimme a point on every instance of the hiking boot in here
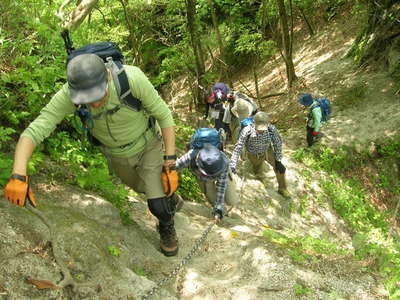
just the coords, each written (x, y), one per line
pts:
(168, 239)
(284, 193)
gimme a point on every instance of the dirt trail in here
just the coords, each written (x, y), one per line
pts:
(236, 261)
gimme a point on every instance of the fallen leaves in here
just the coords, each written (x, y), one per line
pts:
(42, 284)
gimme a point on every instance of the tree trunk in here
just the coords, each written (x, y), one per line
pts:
(223, 68)
(134, 43)
(197, 51)
(303, 15)
(255, 76)
(286, 43)
(77, 16)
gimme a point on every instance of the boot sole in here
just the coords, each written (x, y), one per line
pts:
(169, 253)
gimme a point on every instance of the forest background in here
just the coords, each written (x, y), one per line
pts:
(202, 42)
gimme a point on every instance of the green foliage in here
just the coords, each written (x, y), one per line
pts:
(6, 164)
(114, 251)
(35, 163)
(188, 186)
(252, 44)
(5, 134)
(139, 271)
(350, 201)
(301, 290)
(390, 148)
(63, 147)
(301, 248)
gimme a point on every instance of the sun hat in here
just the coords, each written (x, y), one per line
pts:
(211, 161)
(87, 78)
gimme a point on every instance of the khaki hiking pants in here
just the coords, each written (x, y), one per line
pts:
(210, 191)
(142, 171)
(257, 164)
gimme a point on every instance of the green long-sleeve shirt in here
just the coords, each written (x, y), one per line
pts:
(124, 126)
(315, 115)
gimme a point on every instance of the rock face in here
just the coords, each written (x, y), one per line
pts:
(75, 247)
(83, 241)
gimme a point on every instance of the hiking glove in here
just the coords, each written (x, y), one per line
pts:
(170, 181)
(315, 133)
(217, 214)
(280, 167)
(17, 190)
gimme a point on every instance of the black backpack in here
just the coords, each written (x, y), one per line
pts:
(111, 55)
(114, 59)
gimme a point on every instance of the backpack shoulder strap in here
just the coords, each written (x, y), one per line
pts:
(122, 85)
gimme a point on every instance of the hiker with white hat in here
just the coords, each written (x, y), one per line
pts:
(241, 110)
(262, 142)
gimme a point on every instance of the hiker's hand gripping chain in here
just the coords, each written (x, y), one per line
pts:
(18, 190)
(170, 180)
(217, 214)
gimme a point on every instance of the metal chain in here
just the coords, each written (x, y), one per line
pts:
(184, 261)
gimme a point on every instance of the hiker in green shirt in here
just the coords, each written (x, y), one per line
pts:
(137, 153)
(313, 132)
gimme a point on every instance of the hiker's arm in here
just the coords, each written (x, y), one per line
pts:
(52, 114)
(238, 148)
(221, 185)
(23, 153)
(184, 160)
(169, 141)
(276, 142)
(317, 115)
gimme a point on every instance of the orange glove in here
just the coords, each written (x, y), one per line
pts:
(17, 190)
(170, 181)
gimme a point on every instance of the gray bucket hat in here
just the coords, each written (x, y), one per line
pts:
(211, 161)
(261, 120)
(87, 78)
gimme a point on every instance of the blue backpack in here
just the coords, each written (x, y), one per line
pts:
(326, 109)
(204, 136)
(246, 122)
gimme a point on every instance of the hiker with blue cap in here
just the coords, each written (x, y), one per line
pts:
(211, 168)
(314, 118)
(141, 156)
(263, 143)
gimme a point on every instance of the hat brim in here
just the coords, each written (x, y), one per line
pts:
(219, 172)
(88, 95)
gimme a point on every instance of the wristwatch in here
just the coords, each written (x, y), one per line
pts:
(169, 157)
(19, 177)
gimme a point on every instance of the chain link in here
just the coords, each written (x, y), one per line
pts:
(184, 261)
